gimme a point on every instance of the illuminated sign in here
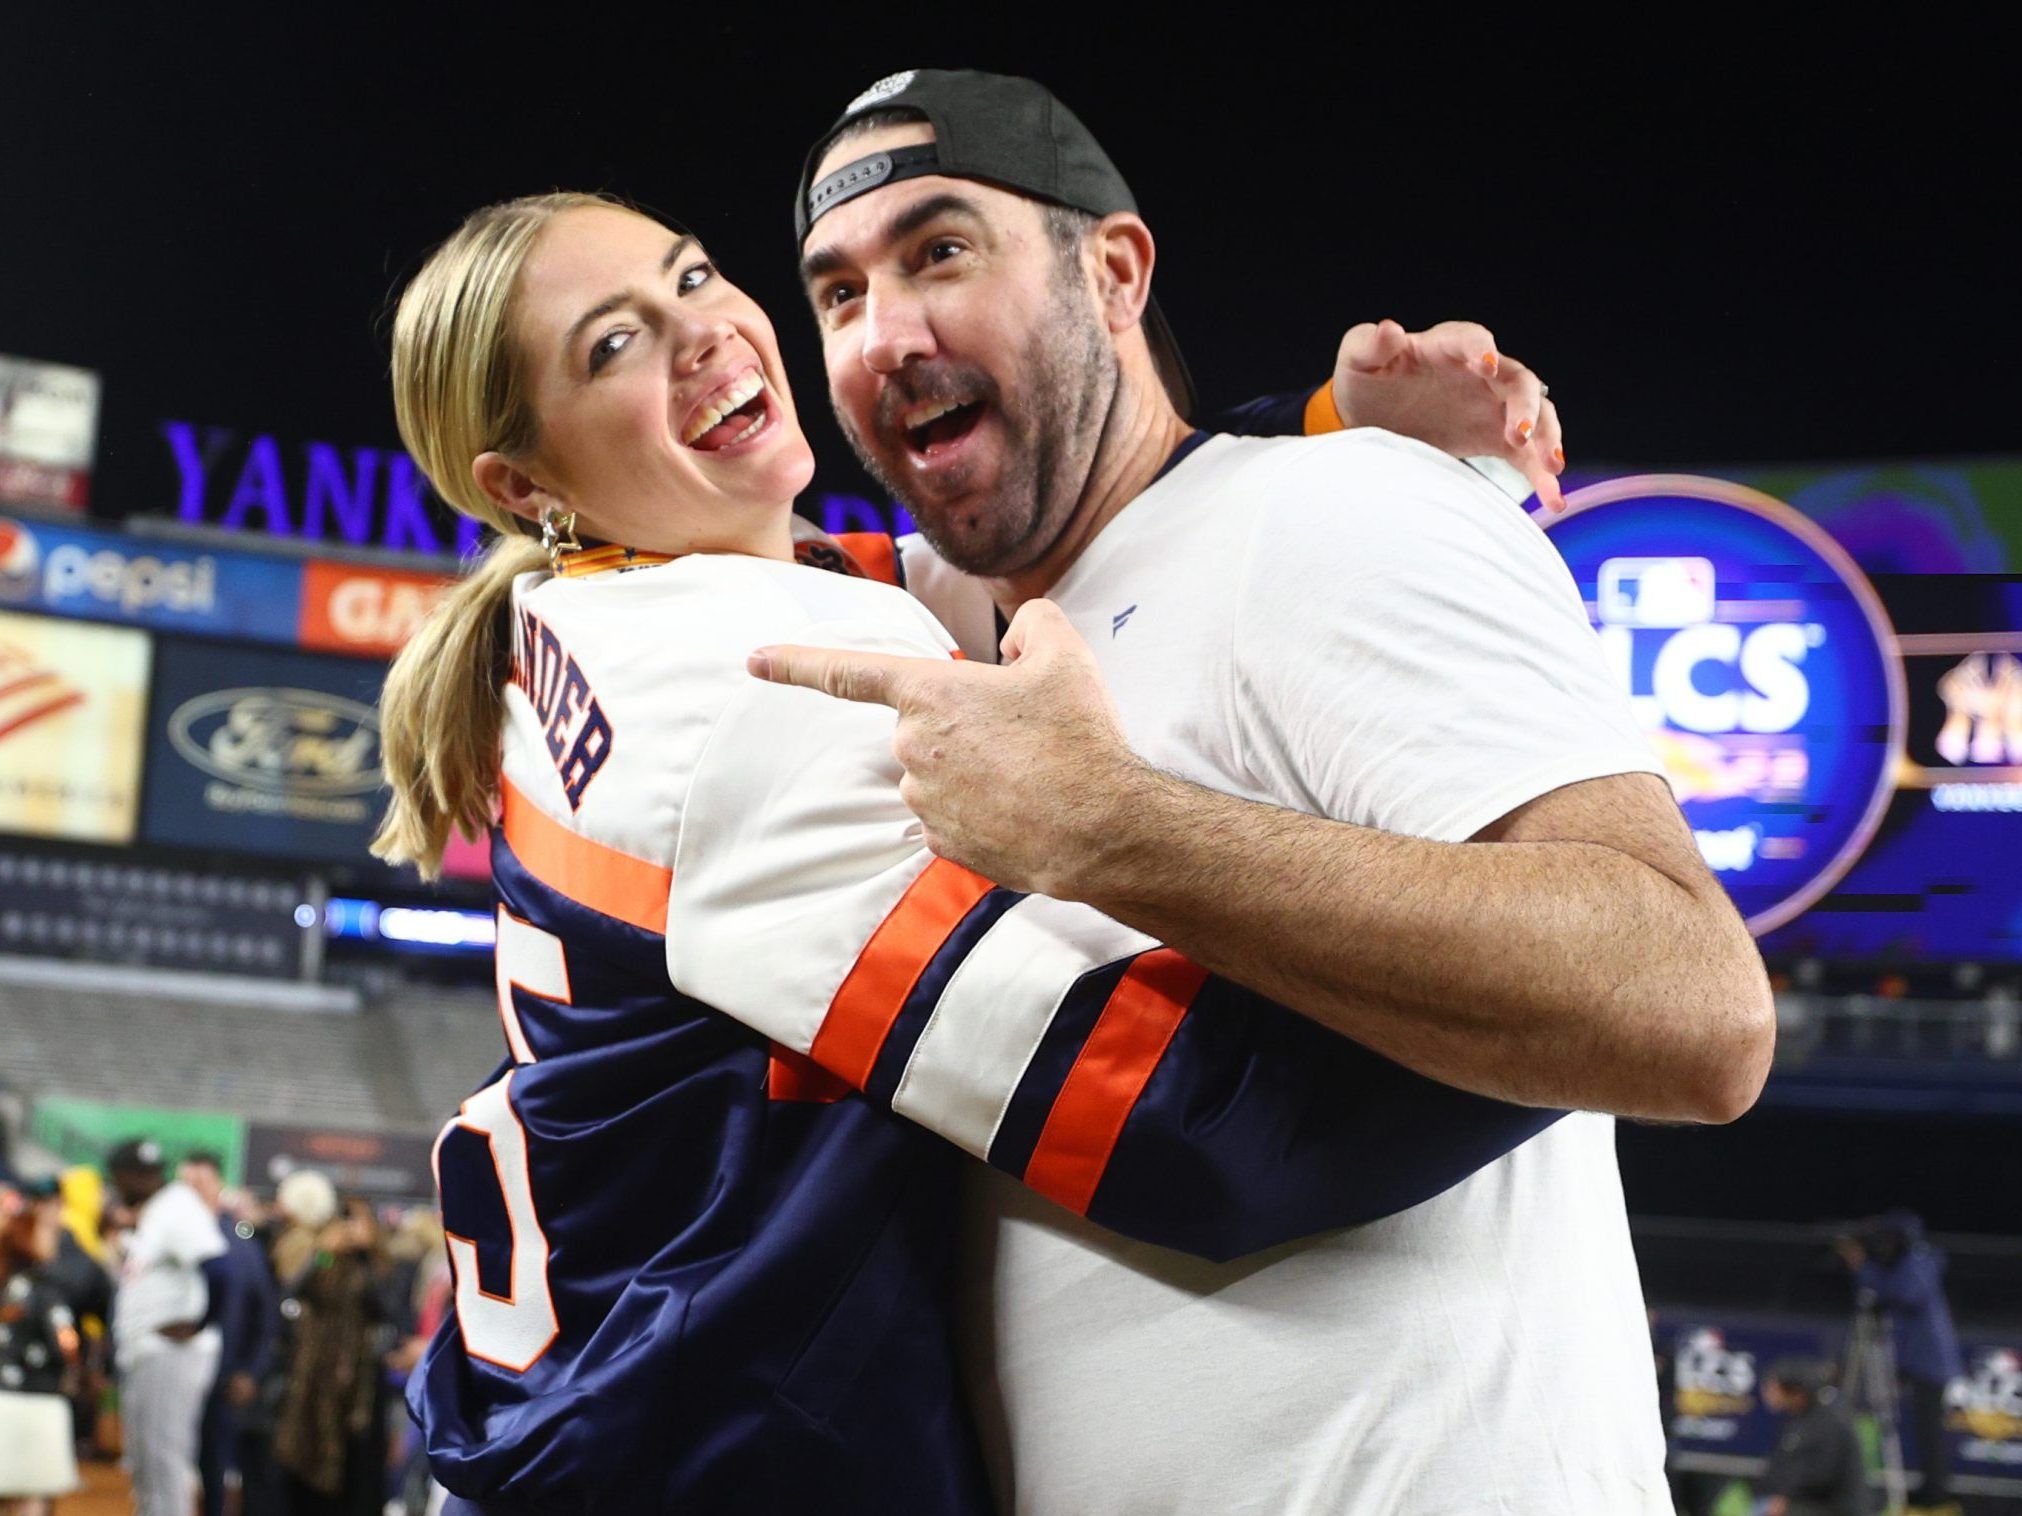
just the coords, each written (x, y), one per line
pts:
(73, 701)
(440, 928)
(1763, 666)
(262, 751)
(349, 609)
(362, 495)
(48, 432)
(107, 577)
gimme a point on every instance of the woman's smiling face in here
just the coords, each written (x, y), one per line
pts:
(665, 421)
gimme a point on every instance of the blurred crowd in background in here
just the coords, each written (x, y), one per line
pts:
(150, 1313)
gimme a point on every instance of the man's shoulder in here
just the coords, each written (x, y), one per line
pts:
(1355, 475)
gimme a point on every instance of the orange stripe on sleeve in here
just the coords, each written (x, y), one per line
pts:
(1321, 416)
(792, 1076)
(875, 553)
(612, 883)
(861, 1015)
(1129, 1038)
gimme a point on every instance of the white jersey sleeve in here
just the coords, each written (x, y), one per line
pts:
(1078, 1055)
(1468, 681)
(175, 1228)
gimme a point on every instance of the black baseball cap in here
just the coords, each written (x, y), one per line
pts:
(140, 1155)
(1000, 130)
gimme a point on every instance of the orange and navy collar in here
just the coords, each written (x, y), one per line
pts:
(608, 559)
(862, 555)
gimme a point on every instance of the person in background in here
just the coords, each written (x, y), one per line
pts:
(38, 1350)
(165, 1338)
(305, 1202)
(79, 1275)
(247, 1309)
(1816, 1468)
(330, 1441)
(1897, 1270)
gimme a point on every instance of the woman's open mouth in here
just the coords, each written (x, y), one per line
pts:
(739, 414)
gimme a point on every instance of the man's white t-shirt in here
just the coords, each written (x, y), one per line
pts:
(1358, 627)
(160, 1276)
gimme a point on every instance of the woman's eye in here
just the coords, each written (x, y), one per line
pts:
(695, 276)
(607, 347)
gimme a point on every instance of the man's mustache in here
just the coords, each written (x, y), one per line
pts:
(927, 383)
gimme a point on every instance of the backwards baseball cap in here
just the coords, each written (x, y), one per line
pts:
(1000, 130)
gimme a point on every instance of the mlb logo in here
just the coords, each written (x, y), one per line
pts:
(1657, 592)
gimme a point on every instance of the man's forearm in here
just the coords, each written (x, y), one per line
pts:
(1545, 973)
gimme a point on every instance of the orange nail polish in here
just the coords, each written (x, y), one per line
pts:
(1524, 430)
(1559, 456)
(1489, 361)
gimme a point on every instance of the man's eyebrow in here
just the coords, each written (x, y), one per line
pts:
(605, 307)
(826, 260)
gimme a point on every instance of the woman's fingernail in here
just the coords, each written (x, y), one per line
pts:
(1559, 456)
(1489, 361)
(1524, 430)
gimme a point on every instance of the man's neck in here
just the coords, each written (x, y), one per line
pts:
(1138, 436)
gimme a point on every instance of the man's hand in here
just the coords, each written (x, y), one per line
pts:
(1451, 389)
(1012, 769)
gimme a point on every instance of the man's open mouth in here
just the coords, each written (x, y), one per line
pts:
(937, 425)
(737, 415)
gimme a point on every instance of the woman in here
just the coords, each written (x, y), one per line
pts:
(330, 1438)
(688, 1272)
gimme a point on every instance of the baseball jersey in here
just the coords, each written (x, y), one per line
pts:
(1357, 627)
(699, 1220)
(161, 1281)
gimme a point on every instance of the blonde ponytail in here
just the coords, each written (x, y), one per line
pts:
(441, 712)
(458, 391)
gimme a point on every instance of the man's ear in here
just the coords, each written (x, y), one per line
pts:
(509, 486)
(1124, 254)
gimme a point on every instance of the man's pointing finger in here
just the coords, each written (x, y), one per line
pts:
(870, 677)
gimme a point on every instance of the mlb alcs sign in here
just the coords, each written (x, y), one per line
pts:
(1763, 666)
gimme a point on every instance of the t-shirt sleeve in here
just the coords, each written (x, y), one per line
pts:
(1410, 652)
(1101, 1069)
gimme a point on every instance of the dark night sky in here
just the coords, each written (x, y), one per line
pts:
(1716, 248)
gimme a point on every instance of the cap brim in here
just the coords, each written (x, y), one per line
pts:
(1172, 367)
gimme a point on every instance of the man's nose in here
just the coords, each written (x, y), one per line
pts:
(896, 329)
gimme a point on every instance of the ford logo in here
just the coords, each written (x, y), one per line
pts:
(292, 742)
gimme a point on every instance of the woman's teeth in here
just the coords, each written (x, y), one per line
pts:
(743, 392)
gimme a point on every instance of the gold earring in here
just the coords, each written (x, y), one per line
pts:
(558, 536)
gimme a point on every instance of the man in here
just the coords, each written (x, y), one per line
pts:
(165, 1344)
(247, 1310)
(1899, 1272)
(1374, 768)
(1816, 1468)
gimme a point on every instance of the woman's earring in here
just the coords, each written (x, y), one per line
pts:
(558, 536)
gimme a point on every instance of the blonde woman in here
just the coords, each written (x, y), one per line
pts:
(698, 1226)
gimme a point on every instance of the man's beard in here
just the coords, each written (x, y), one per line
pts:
(1066, 382)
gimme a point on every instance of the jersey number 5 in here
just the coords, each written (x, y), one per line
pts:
(511, 1330)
